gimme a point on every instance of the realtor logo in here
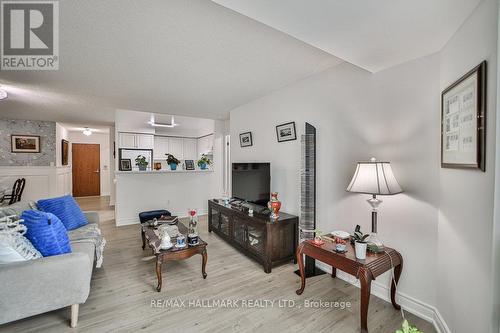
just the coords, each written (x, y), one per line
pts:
(30, 35)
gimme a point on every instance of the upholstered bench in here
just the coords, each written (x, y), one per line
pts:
(153, 214)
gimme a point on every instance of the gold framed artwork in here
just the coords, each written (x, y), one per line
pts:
(25, 143)
(64, 151)
(463, 121)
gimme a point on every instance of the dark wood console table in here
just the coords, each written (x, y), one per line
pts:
(365, 270)
(270, 242)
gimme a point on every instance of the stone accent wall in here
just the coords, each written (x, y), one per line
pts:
(45, 129)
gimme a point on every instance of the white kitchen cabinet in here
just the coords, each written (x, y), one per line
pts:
(145, 141)
(161, 147)
(190, 149)
(136, 140)
(126, 140)
(176, 147)
(205, 144)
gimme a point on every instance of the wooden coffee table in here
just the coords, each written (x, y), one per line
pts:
(365, 270)
(151, 238)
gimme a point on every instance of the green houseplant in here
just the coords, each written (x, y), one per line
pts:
(360, 244)
(141, 162)
(203, 162)
(172, 161)
(406, 328)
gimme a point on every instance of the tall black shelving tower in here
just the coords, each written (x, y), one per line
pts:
(307, 223)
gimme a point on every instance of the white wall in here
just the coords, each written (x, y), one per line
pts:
(392, 115)
(395, 115)
(104, 142)
(496, 228)
(175, 191)
(113, 157)
(64, 175)
(41, 182)
(132, 121)
(61, 133)
(466, 197)
(406, 105)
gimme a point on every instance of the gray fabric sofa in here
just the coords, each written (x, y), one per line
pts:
(36, 286)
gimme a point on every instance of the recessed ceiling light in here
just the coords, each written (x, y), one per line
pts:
(3, 94)
(155, 124)
(87, 131)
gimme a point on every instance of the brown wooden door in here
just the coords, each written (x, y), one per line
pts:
(86, 170)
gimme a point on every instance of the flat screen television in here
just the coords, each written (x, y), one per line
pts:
(251, 182)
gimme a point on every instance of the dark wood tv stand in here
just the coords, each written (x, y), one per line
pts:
(270, 242)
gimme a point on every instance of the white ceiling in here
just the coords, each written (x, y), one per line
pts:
(192, 58)
(198, 58)
(372, 34)
(79, 128)
(136, 121)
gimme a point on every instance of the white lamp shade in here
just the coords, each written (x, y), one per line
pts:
(374, 178)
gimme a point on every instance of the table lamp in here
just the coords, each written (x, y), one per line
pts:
(375, 178)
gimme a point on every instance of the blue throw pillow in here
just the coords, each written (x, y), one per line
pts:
(46, 232)
(66, 209)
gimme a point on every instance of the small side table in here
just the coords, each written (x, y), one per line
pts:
(366, 270)
(153, 241)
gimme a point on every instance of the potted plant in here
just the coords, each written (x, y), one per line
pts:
(172, 161)
(360, 244)
(203, 162)
(406, 328)
(318, 240)
(141, 162)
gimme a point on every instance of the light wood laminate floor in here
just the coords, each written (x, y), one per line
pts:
(123, 289)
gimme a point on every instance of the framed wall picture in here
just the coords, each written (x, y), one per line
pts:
(189, 164)
(463, 121)
(286, 132)
(126, 164)
(64, 151)
(246, 139)
(25, 143)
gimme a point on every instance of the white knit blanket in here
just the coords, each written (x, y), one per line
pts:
(90, 233)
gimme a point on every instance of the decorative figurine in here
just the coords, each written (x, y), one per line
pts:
(274, 206)
(165, 242)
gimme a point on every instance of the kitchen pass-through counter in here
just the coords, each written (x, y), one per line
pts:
(176, 191)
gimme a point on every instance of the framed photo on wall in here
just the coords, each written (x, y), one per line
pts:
(126, 164)
(25, 143)
(246, 139)
(189, 164)
(463, 121)
(64, 151)
(286, 132)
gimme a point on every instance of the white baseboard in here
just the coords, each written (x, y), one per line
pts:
(408, 303)
(440, 324)
(127, 221)
(135, 220)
